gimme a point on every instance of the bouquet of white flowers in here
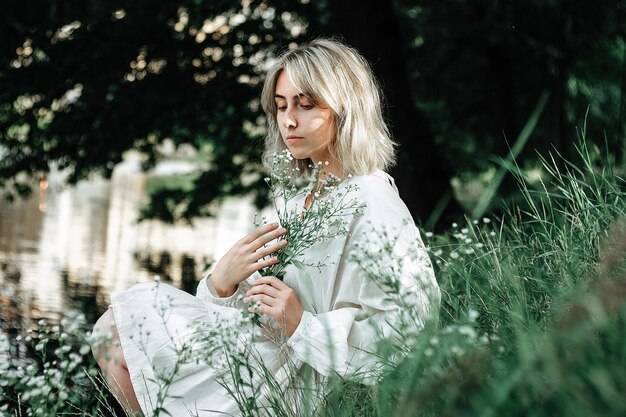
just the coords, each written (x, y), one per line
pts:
(329, 213)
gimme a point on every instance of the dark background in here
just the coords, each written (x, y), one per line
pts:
(461, 79)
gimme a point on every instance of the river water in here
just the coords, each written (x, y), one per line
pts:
(67, 248)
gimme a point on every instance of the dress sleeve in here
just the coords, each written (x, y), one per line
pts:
(383, 274)
(207, 293)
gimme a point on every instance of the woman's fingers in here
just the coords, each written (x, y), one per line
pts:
(264, 309)
(263, 289)
(267, 250)
(251, 237)
(272, 281)
(267, 237)
(262, 299)
(265, 263)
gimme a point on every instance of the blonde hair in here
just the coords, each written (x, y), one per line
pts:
(335, 75)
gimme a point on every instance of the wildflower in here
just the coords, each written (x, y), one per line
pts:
(456, 350)
(468, 331)
(429, 234)
(328, 215)
(454, 255)
(486, 220)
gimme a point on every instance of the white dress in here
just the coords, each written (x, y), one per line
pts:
(345, 315)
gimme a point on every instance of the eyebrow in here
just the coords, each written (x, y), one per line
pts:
(298, 96)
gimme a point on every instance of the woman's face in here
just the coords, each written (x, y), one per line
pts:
(307, 129)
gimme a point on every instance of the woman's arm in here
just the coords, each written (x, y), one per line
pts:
(235, 272)
(383, 272)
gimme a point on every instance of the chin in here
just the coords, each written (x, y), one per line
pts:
(299, 155)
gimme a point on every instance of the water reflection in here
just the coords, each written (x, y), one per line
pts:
(69, 247)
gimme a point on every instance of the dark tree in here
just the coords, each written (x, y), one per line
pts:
(83, 82)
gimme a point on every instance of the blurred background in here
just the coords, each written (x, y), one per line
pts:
(131, 132)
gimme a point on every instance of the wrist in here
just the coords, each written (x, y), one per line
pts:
(222, 290)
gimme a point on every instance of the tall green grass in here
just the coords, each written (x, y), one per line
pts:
(545, 287)
(532, 321)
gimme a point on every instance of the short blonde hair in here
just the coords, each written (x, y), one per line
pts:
(335, 75)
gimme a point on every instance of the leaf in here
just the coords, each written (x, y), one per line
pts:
(298, 264)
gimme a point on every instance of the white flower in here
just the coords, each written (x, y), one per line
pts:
(429, 234)
(468, 331)
(457, 350)
(486, 220)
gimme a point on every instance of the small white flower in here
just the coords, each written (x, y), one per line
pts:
(429, 234)
(486, 220)
(468, 331)
(455, 225)
(454, 255)
(457, 350)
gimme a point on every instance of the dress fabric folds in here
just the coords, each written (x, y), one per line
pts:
(184, 352)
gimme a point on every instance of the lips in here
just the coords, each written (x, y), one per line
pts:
(293, 138)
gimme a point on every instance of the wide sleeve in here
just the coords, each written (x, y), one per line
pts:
(207, 293)
(384, 282)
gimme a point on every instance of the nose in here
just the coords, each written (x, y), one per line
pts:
(290, 119)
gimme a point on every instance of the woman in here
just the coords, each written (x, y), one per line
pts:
(323, 104)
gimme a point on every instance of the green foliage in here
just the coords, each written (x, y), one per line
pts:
(532, 322)
(478, 68)
(82, 84)
(50, 371)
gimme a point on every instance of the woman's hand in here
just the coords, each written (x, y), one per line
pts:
(277, 300)
(246, 257)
